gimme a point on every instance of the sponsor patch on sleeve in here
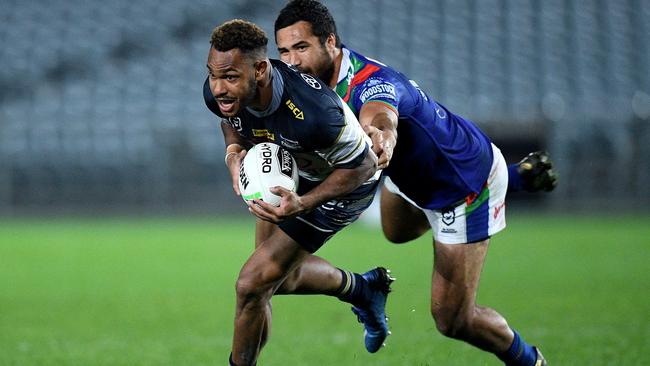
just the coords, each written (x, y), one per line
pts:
(378, 89)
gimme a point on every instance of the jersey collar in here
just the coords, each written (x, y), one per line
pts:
(344, 70)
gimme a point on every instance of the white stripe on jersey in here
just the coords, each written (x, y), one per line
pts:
(351, 142)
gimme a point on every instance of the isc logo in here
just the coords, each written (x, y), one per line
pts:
(296, 111)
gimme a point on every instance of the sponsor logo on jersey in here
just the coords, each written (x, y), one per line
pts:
(416, 86)
(378, 90)
(448, 217)
(448, 230)
(264, 133)
(296, 111)
(441, 112)
(291, 144)
(311, 81)
(234, 122)
(286, 163)
(498, 210)
(267, 162)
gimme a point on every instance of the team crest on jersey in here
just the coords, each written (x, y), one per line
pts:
(448, 217)
(311, 81)
(234, 122)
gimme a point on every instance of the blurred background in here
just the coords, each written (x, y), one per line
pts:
(121, 238)
(101, 108)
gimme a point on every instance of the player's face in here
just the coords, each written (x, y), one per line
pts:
(298, 46)
(232, 80)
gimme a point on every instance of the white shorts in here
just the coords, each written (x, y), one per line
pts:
(476, 219)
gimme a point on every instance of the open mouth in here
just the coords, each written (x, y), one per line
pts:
(226, 105)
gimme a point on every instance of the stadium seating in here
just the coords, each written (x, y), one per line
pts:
(101, 99)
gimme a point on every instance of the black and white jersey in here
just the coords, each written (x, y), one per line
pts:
(307, 118)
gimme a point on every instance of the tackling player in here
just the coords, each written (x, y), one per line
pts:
(441, 172)
(267, 100)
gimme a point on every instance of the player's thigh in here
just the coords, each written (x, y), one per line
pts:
(456, 273)
(271, 262)
(263, 231)
(400, 220)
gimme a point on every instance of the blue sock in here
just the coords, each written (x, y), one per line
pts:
(354, 289)
(514, 179)
(520, 353)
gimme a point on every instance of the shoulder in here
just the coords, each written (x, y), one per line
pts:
(299, 83)
(307, 93)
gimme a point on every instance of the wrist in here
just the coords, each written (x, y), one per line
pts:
(305, 203)
(228, 155)
(234, 148)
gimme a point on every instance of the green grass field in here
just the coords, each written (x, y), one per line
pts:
(161, 292)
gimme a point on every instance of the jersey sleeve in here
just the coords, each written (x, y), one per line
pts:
(379, 87)
(344, 143)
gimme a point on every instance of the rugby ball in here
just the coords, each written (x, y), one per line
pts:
(267, 165)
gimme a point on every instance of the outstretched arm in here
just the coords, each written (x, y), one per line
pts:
(379, 121)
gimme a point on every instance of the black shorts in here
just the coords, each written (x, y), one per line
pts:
(312, 229)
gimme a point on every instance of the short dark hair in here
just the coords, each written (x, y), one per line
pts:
(241, 34)
(312, 12)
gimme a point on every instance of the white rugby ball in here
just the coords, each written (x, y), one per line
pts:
(267, 165)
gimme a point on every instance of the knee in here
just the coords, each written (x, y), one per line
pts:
(401, 237)
(251, 288)
(396, 237)
(404, 229)
(451, 323)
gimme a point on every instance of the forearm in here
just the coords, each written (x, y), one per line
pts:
(383, 122)
(340, 183)
(380, 116)
(233, 141)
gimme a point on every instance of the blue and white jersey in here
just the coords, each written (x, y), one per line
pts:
(307, 118)
(440, 158)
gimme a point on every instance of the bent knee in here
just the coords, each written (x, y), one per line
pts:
(400, 237)
(402, 232)
(452, 324)
(253, 286)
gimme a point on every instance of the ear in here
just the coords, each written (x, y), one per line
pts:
(260, 69)
(330, 42)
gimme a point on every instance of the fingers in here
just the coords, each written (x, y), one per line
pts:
(263, 211)
(383, 161)
(370, 130)
(280, 191)
(234, 171)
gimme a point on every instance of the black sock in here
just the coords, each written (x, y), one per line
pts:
(354, 288)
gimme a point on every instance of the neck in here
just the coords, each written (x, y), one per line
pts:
(264, 92)
(338, 60)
